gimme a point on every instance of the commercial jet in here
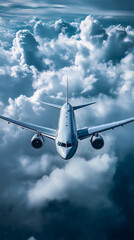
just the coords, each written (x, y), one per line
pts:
(67, 135)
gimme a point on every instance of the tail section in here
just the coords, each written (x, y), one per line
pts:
(74, 107)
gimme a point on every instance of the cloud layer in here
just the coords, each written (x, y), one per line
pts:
(86, 197)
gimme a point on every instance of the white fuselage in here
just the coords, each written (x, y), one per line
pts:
(66, 138)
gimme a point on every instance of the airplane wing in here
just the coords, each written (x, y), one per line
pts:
(48, 132)
(87, 132)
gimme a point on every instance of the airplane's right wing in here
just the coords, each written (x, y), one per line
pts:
(87, 132)
(48, 132)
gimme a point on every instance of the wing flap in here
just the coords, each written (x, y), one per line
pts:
(48, 132)
(87, 132)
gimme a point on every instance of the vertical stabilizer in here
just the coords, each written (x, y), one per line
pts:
(67, 92)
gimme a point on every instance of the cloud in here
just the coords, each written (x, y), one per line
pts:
(31, 238)
(118, 36)
(44, 30)
(55, 8)
(49, 30)
(92, 31)
(77, 182)
(66, 28)
(25, 49)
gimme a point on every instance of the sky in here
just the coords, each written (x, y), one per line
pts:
(91, 196)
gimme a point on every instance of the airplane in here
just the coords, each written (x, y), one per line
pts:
(67, 135)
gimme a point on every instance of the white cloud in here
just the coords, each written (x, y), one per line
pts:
(80, 181)
(37, 166)
(32, 238)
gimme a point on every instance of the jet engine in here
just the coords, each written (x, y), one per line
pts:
(37, 141)
(97, 141)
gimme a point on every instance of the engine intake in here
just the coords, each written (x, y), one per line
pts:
(97, 141)
(37, 141)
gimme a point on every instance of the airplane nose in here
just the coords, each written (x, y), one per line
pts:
(65, 153)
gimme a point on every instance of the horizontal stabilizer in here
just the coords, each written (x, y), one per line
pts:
(81, 106)
(51, 105)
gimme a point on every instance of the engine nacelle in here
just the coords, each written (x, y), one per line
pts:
(97, 141)
(37, 141)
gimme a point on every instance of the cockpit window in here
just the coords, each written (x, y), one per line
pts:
(65, 144)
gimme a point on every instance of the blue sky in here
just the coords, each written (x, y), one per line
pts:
(90, 196)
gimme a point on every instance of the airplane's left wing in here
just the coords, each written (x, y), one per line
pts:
(87, 132)
(48, 132)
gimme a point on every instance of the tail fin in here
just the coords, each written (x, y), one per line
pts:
(81, 106)
(67, 92)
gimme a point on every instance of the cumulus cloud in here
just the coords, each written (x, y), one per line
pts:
(80, 181)
(92, 31)
(51, 30)
(25, 49)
